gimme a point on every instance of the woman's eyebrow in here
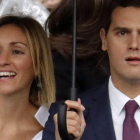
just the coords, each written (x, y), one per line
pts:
(16, 43)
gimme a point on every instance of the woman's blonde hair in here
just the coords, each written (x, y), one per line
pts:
(43, 85)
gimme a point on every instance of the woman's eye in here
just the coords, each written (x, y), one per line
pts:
(17, 52)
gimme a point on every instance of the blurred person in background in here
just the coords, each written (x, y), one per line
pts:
(50, 4)
(89, 69)
(33, 8)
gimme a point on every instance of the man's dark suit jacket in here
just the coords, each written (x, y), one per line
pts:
(99, 124)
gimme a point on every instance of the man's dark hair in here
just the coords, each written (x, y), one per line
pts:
(115, 4)
(126, 3)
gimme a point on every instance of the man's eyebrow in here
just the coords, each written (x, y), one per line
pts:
(16, 43)
(121, 28)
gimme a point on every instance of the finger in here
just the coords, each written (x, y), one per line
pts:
(81, 115)
(72, 130)
(75, 105)
(79, 100)
(57, 136)
(73, 116)
(73, 126)
(74, 123)
(68, 108)
(55, 119)
(83, 123)
(72, 119)
(70, 116)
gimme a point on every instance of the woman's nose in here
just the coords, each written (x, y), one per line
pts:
(4, 59)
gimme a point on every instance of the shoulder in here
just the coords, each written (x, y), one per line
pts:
(49, 130)
(94, 91)
(93, 94)
(42, 111)
(41, 116)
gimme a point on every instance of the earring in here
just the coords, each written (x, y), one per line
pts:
(39, 85)
(38, 82)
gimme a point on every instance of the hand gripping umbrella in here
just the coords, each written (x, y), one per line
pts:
(62, 109)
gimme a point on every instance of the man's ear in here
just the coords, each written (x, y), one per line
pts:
(103, 38)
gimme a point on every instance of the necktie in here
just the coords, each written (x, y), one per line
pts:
(130, 128)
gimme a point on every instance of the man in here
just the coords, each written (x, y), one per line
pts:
(108, 108)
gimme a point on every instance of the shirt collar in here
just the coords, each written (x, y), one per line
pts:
(42, 114)
(118, 99)
(137, 99)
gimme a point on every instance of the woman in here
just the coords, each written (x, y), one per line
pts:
(27, 86)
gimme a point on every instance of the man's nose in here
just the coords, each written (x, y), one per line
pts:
(4, 58)
(134, 43)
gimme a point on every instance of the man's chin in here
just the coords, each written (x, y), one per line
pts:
(133, 79)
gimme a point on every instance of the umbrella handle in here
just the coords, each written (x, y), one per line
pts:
(62, 110)
(62, 127)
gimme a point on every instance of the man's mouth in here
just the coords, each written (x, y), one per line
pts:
(133, 59)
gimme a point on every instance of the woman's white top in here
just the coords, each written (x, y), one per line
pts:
(41, 116)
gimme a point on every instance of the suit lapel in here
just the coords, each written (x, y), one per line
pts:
(100, 115)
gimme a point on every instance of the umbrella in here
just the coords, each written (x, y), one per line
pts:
(62, 109)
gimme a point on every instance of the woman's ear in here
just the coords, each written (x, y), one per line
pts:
(36, 71)
(103, 38)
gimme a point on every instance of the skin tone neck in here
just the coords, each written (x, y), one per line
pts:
(129, 88)
(17, 117)
(16, 103)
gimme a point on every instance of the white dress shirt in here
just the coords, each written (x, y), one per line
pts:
(117, 102)
(41, 116)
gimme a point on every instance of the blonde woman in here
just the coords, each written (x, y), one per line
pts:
(27, 86)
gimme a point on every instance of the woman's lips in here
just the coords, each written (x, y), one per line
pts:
(7, 75)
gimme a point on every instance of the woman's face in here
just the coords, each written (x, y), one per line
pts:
(16, 67)
(50, 3)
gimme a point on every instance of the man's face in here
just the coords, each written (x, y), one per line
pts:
(122, 43)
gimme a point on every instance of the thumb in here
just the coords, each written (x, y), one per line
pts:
(81, 115)
(57, 136)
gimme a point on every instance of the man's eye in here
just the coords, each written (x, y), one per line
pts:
(122, 33)
(17, 52)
